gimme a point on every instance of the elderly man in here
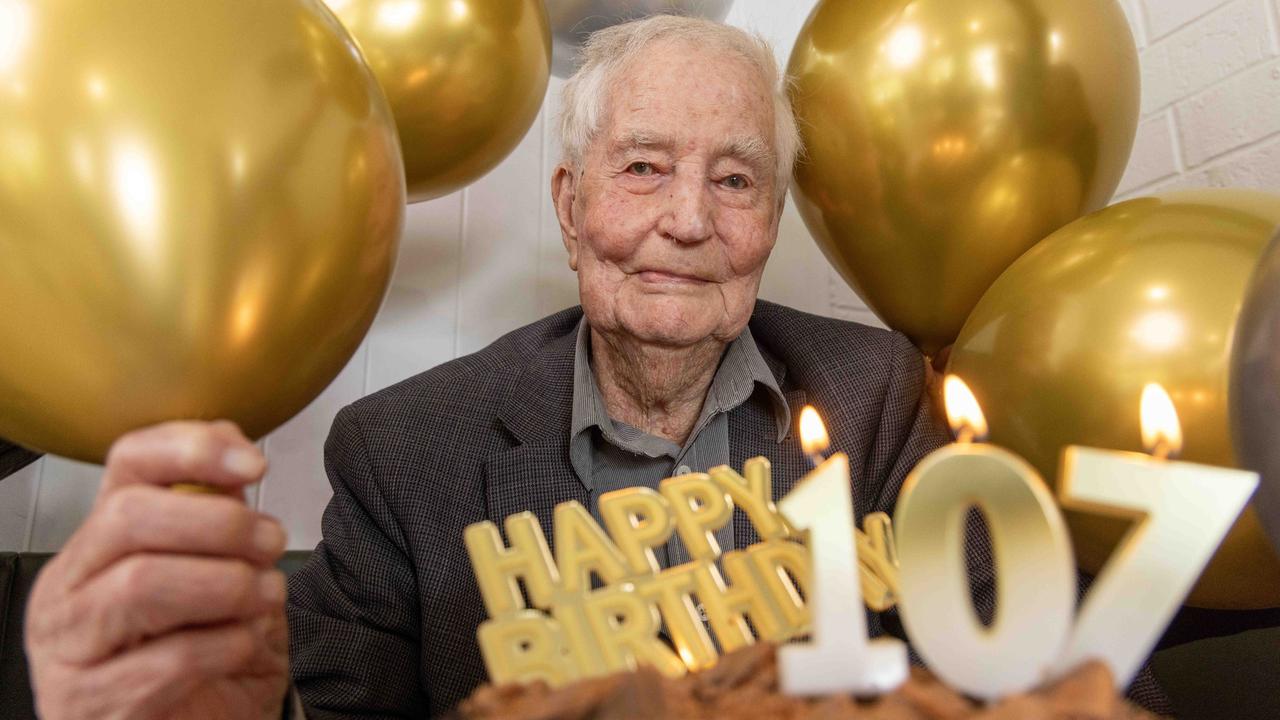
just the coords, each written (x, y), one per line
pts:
(678, 144)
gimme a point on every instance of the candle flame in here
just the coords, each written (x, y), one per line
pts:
(1161, 431)
(963, 412)
(813, 434)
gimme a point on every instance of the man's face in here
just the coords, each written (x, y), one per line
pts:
(675, 208)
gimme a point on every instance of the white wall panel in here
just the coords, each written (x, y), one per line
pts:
(66, 493)
(502, 218)
(296, 488)
(417, 325)
(17, 506)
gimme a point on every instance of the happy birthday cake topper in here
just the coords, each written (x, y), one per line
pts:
(574, 631)
(811, 571)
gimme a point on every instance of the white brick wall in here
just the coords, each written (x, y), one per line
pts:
(1133, 11)
(1204, 52)
(1155, 154)
(1210, 97)
(1252, 102)
(1165, 16)
(483, 261)
(1255, 166)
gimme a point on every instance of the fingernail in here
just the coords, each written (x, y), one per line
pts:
(271, 587)
(242, 462)
(268, 537)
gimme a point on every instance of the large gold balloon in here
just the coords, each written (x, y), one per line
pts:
(465, 79)
(1059, 348)
(199, 209)
(945, 137)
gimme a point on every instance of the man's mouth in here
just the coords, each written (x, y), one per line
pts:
(669, 277)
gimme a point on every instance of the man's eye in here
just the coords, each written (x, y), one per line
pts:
(736, 182)
(640, 168)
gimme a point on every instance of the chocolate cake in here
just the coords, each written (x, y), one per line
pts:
(744, 684)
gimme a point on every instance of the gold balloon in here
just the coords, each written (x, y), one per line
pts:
(1059, 348)
(465, 79)
(199, 209)
(945, 137)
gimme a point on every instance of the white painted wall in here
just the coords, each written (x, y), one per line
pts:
(488, 259)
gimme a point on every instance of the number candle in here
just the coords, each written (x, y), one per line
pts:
(1181, 512)
(1036, 589)
(840, 657)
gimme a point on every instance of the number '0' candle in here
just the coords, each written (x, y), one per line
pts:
(1035, 593)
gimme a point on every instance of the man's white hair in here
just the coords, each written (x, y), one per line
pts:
(607, 52)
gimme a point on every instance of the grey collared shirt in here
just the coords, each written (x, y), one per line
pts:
(610, 455)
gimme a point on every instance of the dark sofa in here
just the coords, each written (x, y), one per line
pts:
(13, 458)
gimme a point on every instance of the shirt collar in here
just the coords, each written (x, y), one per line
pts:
(741, 368)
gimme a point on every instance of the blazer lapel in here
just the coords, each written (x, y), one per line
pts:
(534, 477)
(535, 474)
(753, 431)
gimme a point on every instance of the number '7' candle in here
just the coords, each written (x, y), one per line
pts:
(1181, 512)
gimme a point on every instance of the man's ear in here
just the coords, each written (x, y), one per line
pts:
(564, 191)
(777, 215)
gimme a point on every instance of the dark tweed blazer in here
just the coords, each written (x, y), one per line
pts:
(383, 617)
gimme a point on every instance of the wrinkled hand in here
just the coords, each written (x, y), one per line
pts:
(165, 604)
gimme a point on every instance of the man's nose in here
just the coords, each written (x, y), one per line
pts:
(690, 208)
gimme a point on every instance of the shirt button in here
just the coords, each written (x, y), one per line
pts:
(683, 470)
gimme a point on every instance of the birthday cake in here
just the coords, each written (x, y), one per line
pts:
(635, 644)
(744, 684)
